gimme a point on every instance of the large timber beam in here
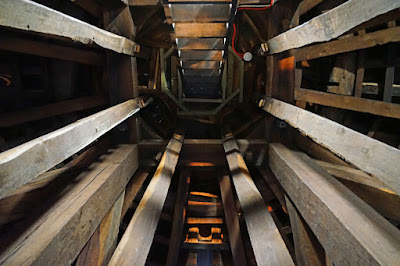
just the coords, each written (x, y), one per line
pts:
(330, 210)
(348, 103)
(348, 44)
(136, 241)
(368, 154)
(30, 16)
(267, 244)
(60, 233)
(47, 151)
(331, 24)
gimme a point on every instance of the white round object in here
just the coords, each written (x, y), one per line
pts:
(247, 57)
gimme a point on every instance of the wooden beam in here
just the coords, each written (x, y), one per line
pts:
(200, 44)
(49, 150)
(99, 248)
(65, 227)
(200, 30)
(330, 210)
(348, 44)
(178, 222)
(51, 110)
(268, 246)
(232, 221)
(368, 154)
(307, 5)
(30, 16)
(49, 50)
(349, 103)
(200, 12)
(307, 248)
(335, 22)
(136, 241)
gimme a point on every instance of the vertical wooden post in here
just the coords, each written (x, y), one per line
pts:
(180, 92)
(231, 69)
(99, 248)
(241, 73)
(164, 85)
(224, 82)
(174, 76)
(307, 248)
(232, 221)
(360, 73)
(179, 219)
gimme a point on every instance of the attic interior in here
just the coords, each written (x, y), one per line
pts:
(192, 132)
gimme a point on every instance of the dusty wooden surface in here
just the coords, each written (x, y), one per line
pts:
(330, 210)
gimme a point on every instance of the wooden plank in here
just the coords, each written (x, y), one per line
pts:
(335, 22)
(348, 44)
(232, 221)
(198, 221)
(51, 110)
(307, 5)
(136, 241)
(30, 16)
(389, 74)
(349, 103)
(368, 154)
(65, 228)
(201, 72)
(99, 248)
(200, 64)
(49, 150)
(141, 2)
(49, 50)
(307, 248)
(343, 74)
(200, 44)
(330, 210)
(132, 188)
(361, 56)
(268, 246)
(201, 55)
(200, 12)
(178, 222)
(200, 30)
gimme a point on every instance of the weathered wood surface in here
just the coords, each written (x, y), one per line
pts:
(201, 55)
(30, 16)
(232, 222)
(267, 243)
(348, 44)
(49, 50)
(331, 24)
(102, 243)
(47, 151)
(200, 64)
(349, 103)
(200, 12)
(199, 30)
(178, 222)
(66, 227)
(51, 110)
(307, 248)
(200, 44)
(368, 154)
(330, 210)
(136, 241)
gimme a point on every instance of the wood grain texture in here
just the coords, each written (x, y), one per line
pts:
(200, 44)
(200, 64)
(307, 248)
(47, 151)
(99, 248)
(132, 188)
(330, 209)
(266, 241)
(136, 241)
(191, 55)
(368, 154)
(66, 227)
(331, 24)
(199, 30)
(349, 103)
(30, 16)
(200, 12)
(178, 222)
(232, 222)
(348, 44)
